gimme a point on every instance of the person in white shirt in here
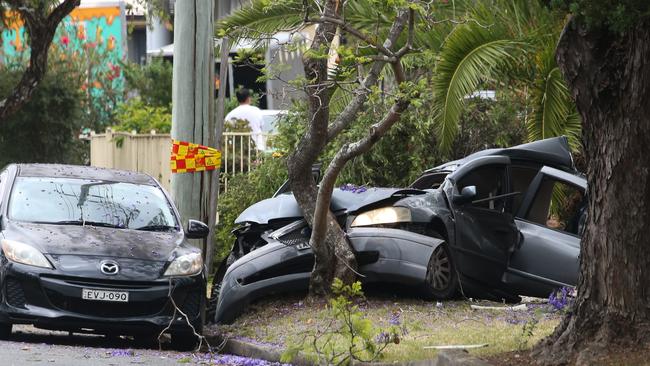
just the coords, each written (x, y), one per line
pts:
(251, 114)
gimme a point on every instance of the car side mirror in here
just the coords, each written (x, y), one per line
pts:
(196, 230)
(467, 194)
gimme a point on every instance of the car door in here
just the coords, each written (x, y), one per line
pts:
(551, 221)
(485, 232)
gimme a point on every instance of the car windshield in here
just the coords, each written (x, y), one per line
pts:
(68, 201)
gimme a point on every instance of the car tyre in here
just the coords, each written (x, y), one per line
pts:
(5, 330)
(442, 277)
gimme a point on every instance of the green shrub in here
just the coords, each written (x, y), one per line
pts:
(135, 115)
(348, 335)
(46, 129)
(244, 189)
(152, 82)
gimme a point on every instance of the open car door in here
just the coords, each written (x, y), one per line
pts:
(551, 220)
(485, 235)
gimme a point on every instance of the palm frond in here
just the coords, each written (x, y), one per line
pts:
(554, 112)
(261, 19)
(470, 55)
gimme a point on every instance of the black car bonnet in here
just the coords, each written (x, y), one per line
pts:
(91, 240)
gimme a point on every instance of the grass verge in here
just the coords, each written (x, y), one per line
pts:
(282, 322)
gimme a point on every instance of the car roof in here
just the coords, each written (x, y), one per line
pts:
(83, 172)
(554, 152)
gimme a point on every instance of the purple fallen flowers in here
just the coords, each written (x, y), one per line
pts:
(222, 359)
(353, 188)
(560, 299)
(395, 318)
(122, 352)
(382, 338)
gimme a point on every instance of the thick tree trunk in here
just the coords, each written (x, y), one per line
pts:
(609, 75)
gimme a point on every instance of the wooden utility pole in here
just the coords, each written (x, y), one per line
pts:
(218, 132)
(193, 98)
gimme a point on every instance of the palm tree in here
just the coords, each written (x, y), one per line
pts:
(507, 43)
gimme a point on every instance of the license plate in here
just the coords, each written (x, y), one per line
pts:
(101, 295)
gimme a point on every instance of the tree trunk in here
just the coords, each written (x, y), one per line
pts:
(333, 251)
(609, 75)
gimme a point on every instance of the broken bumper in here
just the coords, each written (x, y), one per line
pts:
(383, 255)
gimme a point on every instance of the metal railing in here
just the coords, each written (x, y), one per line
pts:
(240, 153)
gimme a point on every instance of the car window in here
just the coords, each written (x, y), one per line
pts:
(559, 206)
(430, 181)
(490, 181)
(61, 200)
(520, 179)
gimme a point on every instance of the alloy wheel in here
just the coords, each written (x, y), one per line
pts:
(440, 271)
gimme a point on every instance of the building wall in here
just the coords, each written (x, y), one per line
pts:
(100, 26)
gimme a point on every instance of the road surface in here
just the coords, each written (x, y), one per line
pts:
(31, 346)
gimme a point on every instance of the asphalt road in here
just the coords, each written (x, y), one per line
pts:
(31, 346)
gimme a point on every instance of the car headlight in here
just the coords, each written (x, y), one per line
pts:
(25, 254)
(185, 265)
(384, 215)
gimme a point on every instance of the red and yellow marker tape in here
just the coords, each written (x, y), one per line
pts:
(189, 158)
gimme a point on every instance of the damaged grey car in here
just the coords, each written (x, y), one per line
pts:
(497, 224)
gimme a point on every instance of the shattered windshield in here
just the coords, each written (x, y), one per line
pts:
(67, 201)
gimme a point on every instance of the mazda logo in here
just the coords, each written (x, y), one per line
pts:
(109, 267)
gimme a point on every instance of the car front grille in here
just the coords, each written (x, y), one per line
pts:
(106, 309)
(15, 293)
(103, 283)
(295, 238)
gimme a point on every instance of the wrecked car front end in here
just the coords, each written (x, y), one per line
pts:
(392, 240)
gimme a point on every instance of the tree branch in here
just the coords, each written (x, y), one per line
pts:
(409, 41)
(346, 117)
(41, 30)
(324, 197)
(355, 32)
(61, 12)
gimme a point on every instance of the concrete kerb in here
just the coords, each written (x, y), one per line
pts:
(248, 349)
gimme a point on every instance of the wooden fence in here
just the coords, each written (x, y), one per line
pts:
(149, 153)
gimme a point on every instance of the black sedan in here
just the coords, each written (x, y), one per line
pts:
(97, 250)
(497, 224)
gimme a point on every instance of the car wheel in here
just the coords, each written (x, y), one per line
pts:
(5, 330)
(216, 286)
(442, 278)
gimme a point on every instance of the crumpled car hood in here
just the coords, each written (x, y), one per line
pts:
(285, 205)
(95, 241)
